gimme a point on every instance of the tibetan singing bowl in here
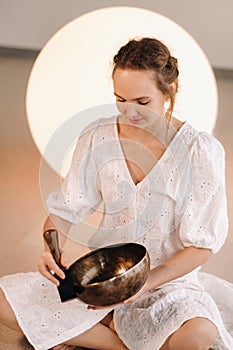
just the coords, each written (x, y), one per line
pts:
(111, 274)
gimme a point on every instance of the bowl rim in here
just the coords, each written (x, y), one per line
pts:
(88, 286)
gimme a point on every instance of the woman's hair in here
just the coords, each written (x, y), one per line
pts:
(152, 55)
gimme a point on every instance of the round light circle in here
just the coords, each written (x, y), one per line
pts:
(73, 71)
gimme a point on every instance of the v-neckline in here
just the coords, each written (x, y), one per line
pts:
(160, 160)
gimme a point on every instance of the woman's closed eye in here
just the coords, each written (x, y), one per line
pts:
(142, 103)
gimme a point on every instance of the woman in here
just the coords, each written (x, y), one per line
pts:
(162, 183)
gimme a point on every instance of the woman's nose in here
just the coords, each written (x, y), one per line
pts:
(130, 110)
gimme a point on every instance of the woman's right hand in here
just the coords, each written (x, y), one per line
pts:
(47, 266)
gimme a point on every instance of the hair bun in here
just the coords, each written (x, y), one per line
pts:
(171, 69)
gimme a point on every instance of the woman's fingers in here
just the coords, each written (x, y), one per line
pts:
(48, 267)
(64, 260)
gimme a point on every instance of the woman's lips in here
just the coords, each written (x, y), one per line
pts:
(135, 121)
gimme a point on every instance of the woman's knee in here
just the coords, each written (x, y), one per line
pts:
(7, 315)
(195, 334)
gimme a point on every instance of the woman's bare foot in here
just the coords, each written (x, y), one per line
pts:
(111, 325)
(107, 319)
(64, 347)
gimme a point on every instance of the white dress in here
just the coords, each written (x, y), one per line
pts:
(180, 203)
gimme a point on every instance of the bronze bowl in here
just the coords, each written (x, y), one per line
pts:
(111, 274)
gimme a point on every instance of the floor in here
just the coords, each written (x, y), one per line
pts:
(22, 210)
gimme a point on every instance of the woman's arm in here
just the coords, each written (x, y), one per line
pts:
(178, 265)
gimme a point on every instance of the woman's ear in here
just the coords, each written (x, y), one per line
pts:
(173, 89)
(173, 86)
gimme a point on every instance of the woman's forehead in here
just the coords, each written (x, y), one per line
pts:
(140, 82)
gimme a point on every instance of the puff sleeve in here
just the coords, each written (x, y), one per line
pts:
(204, 222)
(79, 195)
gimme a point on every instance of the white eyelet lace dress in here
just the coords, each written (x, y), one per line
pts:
(180, 203)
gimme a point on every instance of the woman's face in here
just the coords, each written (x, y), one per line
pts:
(137, 96)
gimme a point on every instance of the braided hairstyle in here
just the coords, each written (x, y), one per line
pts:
(150, 54)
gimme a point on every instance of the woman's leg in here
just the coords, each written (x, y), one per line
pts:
(98, 337)
(196, 334)
(7, 316)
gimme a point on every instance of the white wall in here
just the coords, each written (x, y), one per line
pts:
(30, 23)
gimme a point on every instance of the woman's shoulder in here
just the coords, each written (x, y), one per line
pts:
(203, 152)
(200, 141)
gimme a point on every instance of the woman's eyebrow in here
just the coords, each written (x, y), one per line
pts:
(135, 99)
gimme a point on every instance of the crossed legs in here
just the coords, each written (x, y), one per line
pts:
(194, 334)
